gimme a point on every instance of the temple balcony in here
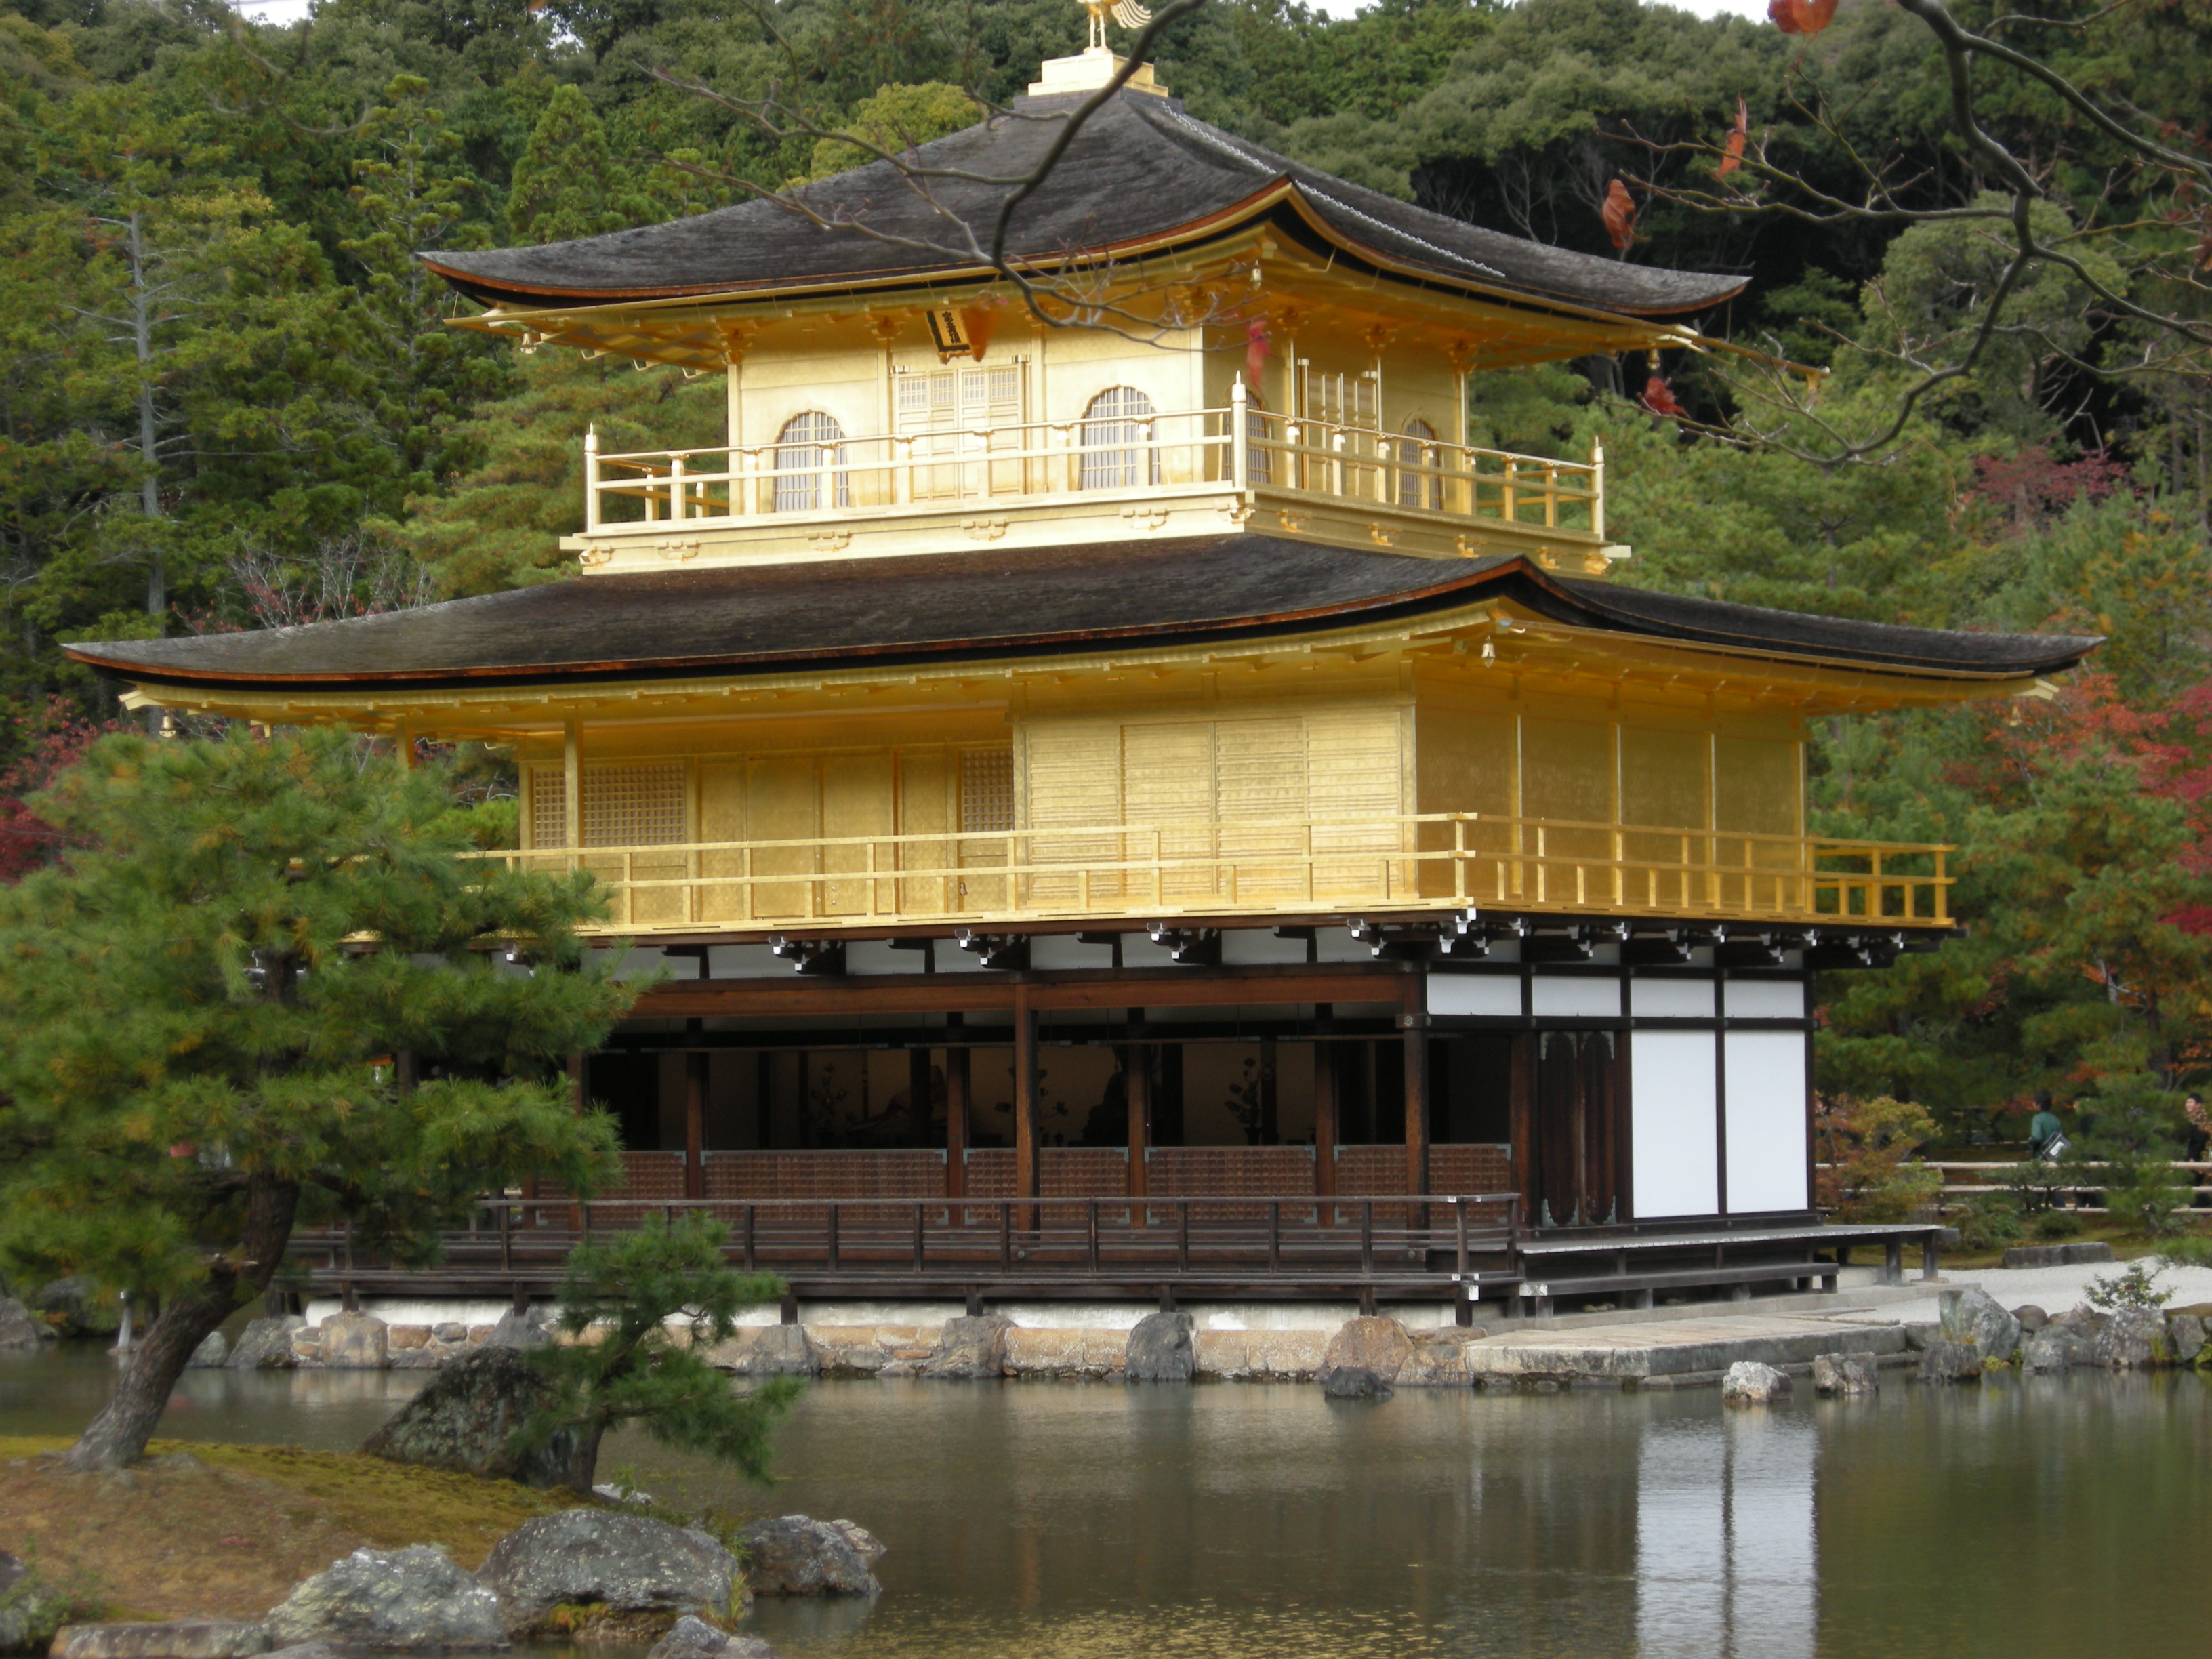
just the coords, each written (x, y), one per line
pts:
(1192, 472)
(1434, 863)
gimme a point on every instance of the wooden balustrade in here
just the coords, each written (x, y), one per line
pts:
(1433, 860)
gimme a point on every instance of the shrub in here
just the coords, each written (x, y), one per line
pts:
(2136, 1287)
(1866, 1149)
(2034, 1188)
(2058, 1224)
(1986, 1222)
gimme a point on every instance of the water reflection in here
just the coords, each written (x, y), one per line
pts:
(2052, 1517)
(1725, 1548)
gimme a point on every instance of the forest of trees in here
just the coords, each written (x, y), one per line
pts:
(230, 399)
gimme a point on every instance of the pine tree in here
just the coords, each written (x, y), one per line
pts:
(620, 1299)
(196, 1050)
(567, 184)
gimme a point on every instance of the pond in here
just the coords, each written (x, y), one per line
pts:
(2044, 1515)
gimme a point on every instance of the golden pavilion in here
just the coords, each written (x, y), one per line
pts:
(1096, 729)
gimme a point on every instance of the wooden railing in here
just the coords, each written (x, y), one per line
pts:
(1239, 446)
(1030, 1239)
(1414, 861)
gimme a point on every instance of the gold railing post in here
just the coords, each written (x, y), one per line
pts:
(1240, 442)
(676, 504)
(591, 478)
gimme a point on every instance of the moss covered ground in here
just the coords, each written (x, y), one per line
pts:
(225, 1531)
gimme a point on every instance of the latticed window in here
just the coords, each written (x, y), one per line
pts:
(1258, 462)
(986, 792)
(1418, 448)
(1117, 441)
(809, 446)
(626, 803)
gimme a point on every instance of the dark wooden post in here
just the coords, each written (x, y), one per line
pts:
(1328, 1126)
(576, 1084)
(956, 1121)
(1416, 1108)
(1025, 1099)
(1137, 1079)
(1271, 1117)
(695, 1123)
(1522, 1104)
(917, 1095)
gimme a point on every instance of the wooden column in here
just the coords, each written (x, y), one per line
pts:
(1417, 1110)
(1522, 1105)
(955, 1122)
(1025, 1095)
(1271, 1118)
(918, 1092)
(695, 1123)
(1137, 1076)
(572, 784)
(578, 1096)
(1328, 1125)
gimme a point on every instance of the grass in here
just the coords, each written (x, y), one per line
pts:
(226, 1533)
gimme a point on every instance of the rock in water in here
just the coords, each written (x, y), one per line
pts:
(20, 1328)
(1381, 1346)
(466, 1419)
(1353, 1383)
(625, 1562)
(2184, 1334)
(184, 1638)
(1845, 1373)
(1747, 1383)
(1160, 1349)
(356, 1342)
(1950, 1361)
(525, 1329)
(866, 1545)
(214, 1350)
(2031, 1318)
(694, 1639)
(265, 1342)
(2132, 1338)
(2043, 1353)
(1973, 1316)
(393, 1599)
(798, 1555)
(972, 1346)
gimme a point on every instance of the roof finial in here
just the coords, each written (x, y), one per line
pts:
(1127, 13)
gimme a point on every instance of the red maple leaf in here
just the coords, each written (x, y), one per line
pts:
(1620, 215)
(1801, 16)
(1659, 398)
(1256, 350)
(1738, 135)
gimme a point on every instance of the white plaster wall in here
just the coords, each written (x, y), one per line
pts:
(1474, 993)
(1671, 998)
(1765, 999)
(1766, 1123)
(1558, 994)
(1674, 1142)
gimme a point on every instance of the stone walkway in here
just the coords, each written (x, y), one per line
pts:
(1675, 1350)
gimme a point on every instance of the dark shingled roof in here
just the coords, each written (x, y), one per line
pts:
(1139, 169)
(779, 618)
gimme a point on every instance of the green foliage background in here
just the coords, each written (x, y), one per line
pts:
(300, 435)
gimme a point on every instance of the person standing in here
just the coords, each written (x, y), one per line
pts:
(2200, 1126)
(2044, 1127)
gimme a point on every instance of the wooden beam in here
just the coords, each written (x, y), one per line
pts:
(859, 997)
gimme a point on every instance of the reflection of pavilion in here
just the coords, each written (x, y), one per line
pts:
(1725, 1556)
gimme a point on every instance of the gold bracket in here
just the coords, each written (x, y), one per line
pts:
(677, 549)
(592, 557)
(1149, 518)
(829, 541)
(984, 529)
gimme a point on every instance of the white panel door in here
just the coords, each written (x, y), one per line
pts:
(1766, 1119)
(1675, 1136)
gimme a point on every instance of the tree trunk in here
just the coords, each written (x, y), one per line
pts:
(118, 1435)
(584, 1467)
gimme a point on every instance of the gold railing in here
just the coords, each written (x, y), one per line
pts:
(1431, 861)
(1239, 446)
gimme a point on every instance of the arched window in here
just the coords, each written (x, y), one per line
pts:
(1418, 448)
(1116, 439)
(1259, 459)
(808, 444)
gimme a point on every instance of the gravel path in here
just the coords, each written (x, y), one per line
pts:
(2054, 1290)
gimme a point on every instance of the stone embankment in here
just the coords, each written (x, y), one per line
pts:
(583, 1575)
(1976, 1335)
